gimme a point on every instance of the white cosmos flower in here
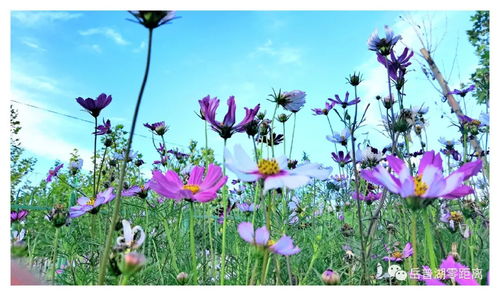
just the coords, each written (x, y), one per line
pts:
(129, 239)
(274, 172)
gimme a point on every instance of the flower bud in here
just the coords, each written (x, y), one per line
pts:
(182, 278)
(355, 79)
(330, 277)
(252, 128)
(283, 118)
(131, 263)
(108, 142)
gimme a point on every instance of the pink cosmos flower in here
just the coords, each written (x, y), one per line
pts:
(197, 189)
(398, 256)
(429, 181)
(370, 197)
(260, 237)
(451, 268)
(85, 204)
(275, 172)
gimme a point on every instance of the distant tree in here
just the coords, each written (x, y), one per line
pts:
(479, 36)
(19, 166)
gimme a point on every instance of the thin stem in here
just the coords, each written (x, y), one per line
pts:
(293, 134)
(194, 264)
(224, 223)
(429, 239)
(116, 211)
(95, 155)
(54, 256)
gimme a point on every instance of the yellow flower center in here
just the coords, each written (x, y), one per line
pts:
(270, 242)
(90, 202)
(397, 254)
(420, 186)
(268, 167)
(456, 216)
(193, 188)
(476, 122)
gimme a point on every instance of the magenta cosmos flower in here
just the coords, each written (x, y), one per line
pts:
(104, 128)
(85, 204)
(398, 256)
(227, 127)
(260, 237)
(18, 215)
(429, 181)
(369, 198)
(159, 128)
(94, 107)
(274, 172)
(453, 271)
(53, 173)
(197, 189)
(324, 111)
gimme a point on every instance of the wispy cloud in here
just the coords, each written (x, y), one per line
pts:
(106, 32)
(284, 55)
(32, 43)
(39, 18)
(34, 82)
(140, 48)
(42, 141)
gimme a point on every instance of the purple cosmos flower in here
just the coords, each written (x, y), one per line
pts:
(260, 237)
(396, 65)
(18, 215)
(341, 138)
(398, 256)
(429, 181)
(163, 161)
(383, 45)
(153, 19)
(484, 118)
(345, 102)
(247, 207)
(104, 128)
(94, 107)
(53, 173)
(369, 198)
(158, 128)
(133, 190)
(324, 111)
(274, 172)
(179, 155)
(227, 127)
(462, 92)
(451, 268)
(197, 189)
(207, 103)
(85, 204)
(452, 152)
(341, 158)
(294, 100)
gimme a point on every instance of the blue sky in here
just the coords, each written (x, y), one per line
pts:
(58, 56)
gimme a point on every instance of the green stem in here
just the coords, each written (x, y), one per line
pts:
(293, 134)
(414, 239)
(95, 155)
(224, 223)
(194, 265)
(124, 280)
(429, 239)
(170, 245)
(116, 211)
(264, 268)
(54, 256)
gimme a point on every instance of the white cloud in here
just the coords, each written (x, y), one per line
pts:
(140, 48)
(284, 55)
(38, 83)
(38, 18)
(37, 137)
(107, 32)
(33, 43)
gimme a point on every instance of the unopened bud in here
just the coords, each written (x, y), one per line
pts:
(330, 277)
(182, 278)
(131, 263)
